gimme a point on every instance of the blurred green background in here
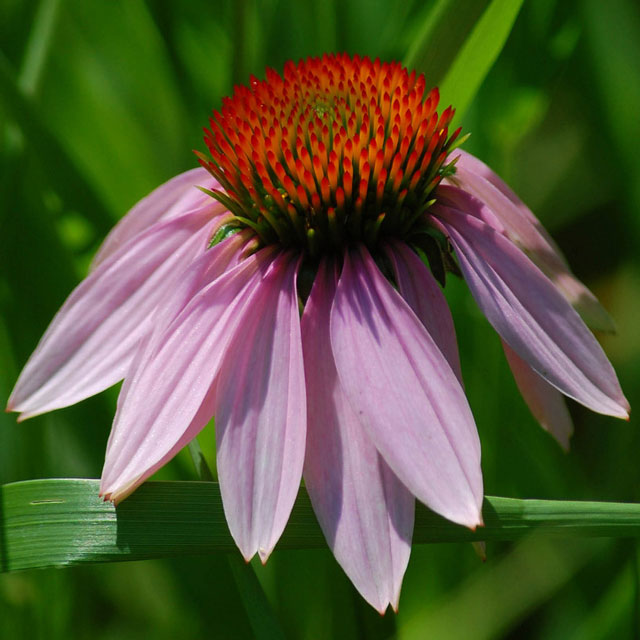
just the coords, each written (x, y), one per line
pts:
(102, 101)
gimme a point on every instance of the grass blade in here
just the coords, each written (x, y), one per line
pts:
(53, 523)
(443, 32)
(479, 52)
(38, 46)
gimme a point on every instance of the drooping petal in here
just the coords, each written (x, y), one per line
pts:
(421, 291)
(261, 414)
(479, 168)
(89, 345)
(162, 404)
(201, 272)
(405, 393)
(174, 198)
(526, 231)
(531, 315)
(545, 402)
(365, 512)
(463, 200)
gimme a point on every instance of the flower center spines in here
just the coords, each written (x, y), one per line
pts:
(336, 150)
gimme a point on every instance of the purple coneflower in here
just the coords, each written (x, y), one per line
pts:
(291, 299)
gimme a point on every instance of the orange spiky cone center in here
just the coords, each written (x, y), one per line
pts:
(336, 150)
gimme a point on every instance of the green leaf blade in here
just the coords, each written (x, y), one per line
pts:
(479, 52)
(62, 522)
(441, 35)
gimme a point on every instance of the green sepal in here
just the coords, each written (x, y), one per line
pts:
(224, 232)
(225, 200)
(457, 143)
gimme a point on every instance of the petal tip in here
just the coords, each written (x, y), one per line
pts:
(477, 521)
(623, 410)
(119, 494)
(247, 554)
(264, 554)
(25, 413)
(246, 548)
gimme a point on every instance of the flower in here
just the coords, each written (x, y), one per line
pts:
(290, 298)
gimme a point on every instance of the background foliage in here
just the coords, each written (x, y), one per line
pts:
(102, 101)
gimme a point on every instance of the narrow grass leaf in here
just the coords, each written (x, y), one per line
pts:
(478, 53)
(446, 24)
(61, 522)
(38, 46)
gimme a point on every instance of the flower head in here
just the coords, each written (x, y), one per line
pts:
(295, 297)
(338, 151)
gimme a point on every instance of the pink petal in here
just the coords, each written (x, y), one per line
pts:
(530, 314)
(421, 291)
(546, 403)
(526, 231)
(89, 345)
(365, 512)
(206, 268)
(209, 266)
(160, 409)
(473, 164)
(261, 414)
(405, 393)
(172, 199)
